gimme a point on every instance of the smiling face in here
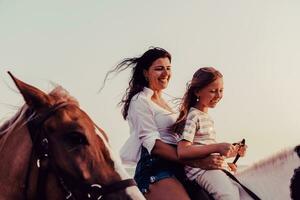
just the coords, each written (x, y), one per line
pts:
(210, 95)
(158, 74)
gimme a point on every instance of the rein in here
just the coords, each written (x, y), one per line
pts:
(251, 194)
(45, 164)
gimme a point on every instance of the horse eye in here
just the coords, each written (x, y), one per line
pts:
(75, 139)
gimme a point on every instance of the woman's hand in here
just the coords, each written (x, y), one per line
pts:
(207, 163)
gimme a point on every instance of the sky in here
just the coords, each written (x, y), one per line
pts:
(254, 43)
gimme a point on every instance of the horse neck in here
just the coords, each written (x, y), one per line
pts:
(270, 178)
(15, 151)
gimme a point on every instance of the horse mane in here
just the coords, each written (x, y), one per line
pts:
(278, 158)
(58, 93)
(10, 124)
(62, 95)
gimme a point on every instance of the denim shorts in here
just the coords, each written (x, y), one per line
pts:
(151, 169)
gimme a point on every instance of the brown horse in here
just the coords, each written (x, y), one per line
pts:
(51, 149)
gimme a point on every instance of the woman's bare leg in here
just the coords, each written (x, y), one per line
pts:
(167, 189)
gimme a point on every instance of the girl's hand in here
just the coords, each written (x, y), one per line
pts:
(227, 149)
(207, 163)
(232, 167)
(242, 150)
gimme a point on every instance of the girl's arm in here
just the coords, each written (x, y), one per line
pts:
(187, 150)
(169, 152)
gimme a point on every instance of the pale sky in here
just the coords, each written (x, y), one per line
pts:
(254, 43)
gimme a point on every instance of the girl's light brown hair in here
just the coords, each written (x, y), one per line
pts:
(201, 78)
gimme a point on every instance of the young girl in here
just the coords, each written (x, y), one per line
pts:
(198, 137)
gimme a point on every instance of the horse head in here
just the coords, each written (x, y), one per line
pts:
(74, 159)
(295, 181)
(297, 150)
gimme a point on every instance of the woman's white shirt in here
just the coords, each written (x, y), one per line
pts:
(148, 122)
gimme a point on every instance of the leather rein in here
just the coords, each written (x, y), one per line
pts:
(45, 164)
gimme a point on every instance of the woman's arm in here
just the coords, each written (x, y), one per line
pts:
(140, 116)
(165, 151)
(141, 119)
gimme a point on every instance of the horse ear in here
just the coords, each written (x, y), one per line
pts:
(33, 97)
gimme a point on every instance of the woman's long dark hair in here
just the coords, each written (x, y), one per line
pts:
(201, 78)
(137, 81)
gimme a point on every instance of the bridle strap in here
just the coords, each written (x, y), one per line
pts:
(42, 118)
(40, 148)
(42, 177)
(99, 191)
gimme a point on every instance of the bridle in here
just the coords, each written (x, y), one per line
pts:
(44, 162)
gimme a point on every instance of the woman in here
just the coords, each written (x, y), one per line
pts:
(151, 143)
